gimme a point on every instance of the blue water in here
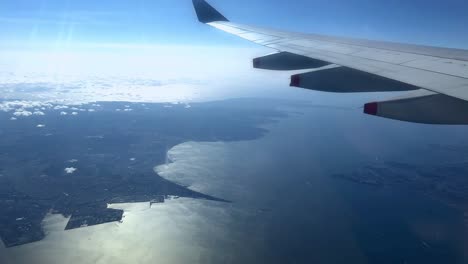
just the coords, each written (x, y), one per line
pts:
(305, 184)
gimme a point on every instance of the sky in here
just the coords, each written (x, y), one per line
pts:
(90, 45)
(67, 22)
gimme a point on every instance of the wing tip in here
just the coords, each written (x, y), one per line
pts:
(206, 13)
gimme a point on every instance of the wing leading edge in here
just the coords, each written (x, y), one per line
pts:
(436, 77)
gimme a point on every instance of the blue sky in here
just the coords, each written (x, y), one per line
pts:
(155, 22)
(78, 49)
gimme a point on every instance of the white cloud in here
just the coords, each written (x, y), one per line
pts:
(38, 113)
(91, 110)
(63, 113)
(59, 107)
(8, 106)
(70, 170)
(40, 126)
(74, 113)
(73, 161)
(128, 109)
(5, 108)
(93, 72)
(22, 112)
(13, 118)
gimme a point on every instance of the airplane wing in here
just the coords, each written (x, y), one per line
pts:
(437, 78)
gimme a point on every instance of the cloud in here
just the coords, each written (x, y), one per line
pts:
(63, 113)
(40, 126)
(22, 112)
(19, 106)
(74, 113)
(70, 170)
(59, 107)
(93, 72)
(38, 113)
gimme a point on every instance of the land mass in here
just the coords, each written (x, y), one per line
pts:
(75, 165)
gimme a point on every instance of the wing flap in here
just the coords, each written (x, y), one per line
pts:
(286, 61)
(422, 107)
(346, 80)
